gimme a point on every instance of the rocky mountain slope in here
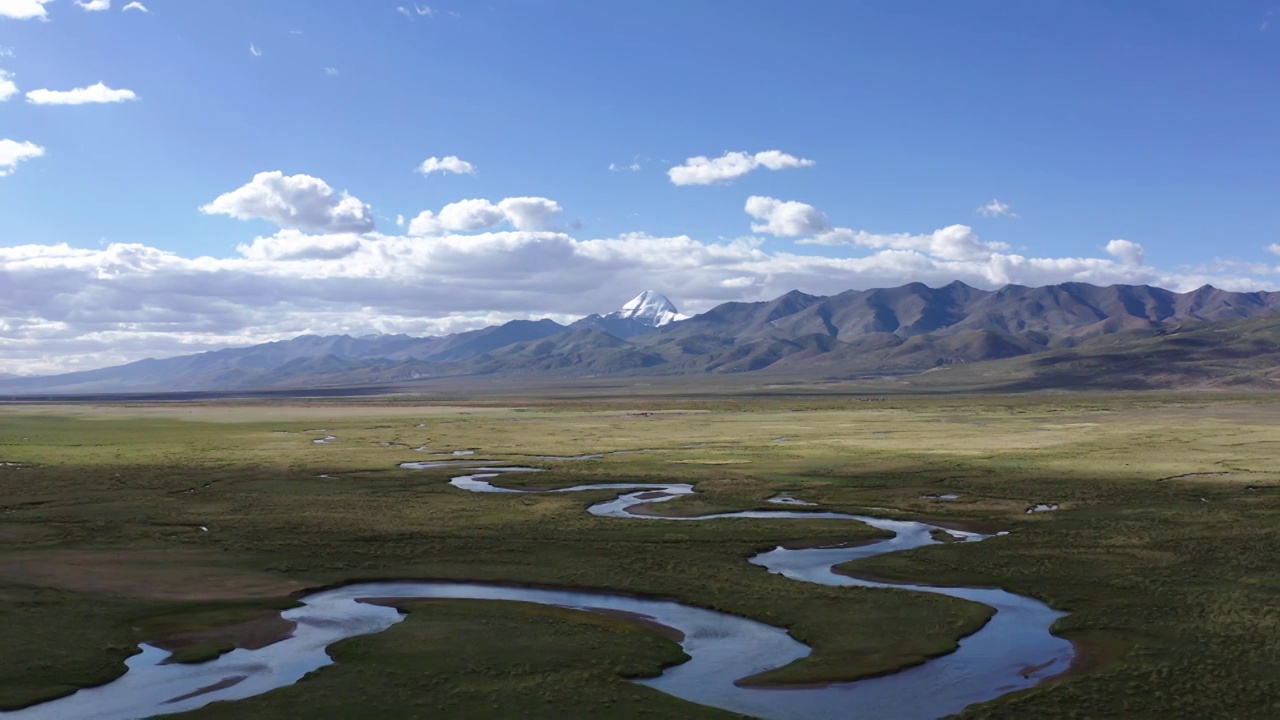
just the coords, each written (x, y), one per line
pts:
(902, 330)
(1222, 354)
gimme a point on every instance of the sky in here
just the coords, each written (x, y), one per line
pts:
(184, 175)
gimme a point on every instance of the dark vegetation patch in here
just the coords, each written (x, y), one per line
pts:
(1171, 597)
(465, 659)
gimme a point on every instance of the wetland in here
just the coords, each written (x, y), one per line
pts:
(190, 526)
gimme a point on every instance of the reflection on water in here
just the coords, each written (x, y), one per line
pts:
(1012, 652)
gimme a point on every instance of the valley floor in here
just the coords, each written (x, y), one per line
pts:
(191, 524)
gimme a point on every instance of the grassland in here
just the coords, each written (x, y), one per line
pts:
(453, 659)
(189, 523)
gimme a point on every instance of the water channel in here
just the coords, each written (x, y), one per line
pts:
(1014, 651)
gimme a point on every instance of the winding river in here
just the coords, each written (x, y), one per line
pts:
(1013, 651)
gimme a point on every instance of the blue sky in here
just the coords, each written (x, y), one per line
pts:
(1151, 122)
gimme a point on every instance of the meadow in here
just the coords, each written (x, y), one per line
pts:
(190, 524)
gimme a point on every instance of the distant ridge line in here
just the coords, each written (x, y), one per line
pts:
(900, 330)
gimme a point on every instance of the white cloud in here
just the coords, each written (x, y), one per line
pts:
(800, 220)
(136, 6)
(703, 170)
(1130, 253)
(300, 202)
(785, 219)
(530, 213)
(8, 88)
(5, 52)
(24, 9)
(294, 245)
(449, 164)
(633, 166)
(330, 71)
(13, 152)
(418, 10)
(96, 93)
(1273, 248)
(954, 242)
(995, 208)
(523, 213)
(254, 51)
(94, 5)
(475, 214)
(327, 271)
(66, 308)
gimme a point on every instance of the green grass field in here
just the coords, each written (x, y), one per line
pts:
(1164, 549)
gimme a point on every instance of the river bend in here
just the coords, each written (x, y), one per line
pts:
(1014, 651)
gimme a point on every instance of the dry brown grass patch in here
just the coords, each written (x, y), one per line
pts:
(148, 574)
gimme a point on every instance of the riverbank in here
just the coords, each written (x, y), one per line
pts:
(1124, 552)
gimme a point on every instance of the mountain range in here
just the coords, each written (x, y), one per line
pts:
(860, 333)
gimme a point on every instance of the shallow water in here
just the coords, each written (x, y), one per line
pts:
(722, 648)
(785, 499)
(592, 456)
(437, 464)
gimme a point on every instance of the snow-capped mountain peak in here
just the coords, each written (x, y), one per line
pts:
(648, 308)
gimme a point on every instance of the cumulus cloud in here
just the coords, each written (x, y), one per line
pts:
(296, 245)
(299, 202)
(450, 164)
(530, 213)
(13, 152)
(785, 219)
(1130, 253)
(8, 88)
(954, 242)
(96, 93)
(474, 263)
(804, 221)
(523, 213)
(254, 51)
(702, 170)
(136, 6)
(995, 208)
(66, 308)
(24, 9)
(94, 5)
(475, 214)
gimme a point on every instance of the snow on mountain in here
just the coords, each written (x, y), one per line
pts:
(648, 308)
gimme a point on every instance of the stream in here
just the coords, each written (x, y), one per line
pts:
(1013, 651)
